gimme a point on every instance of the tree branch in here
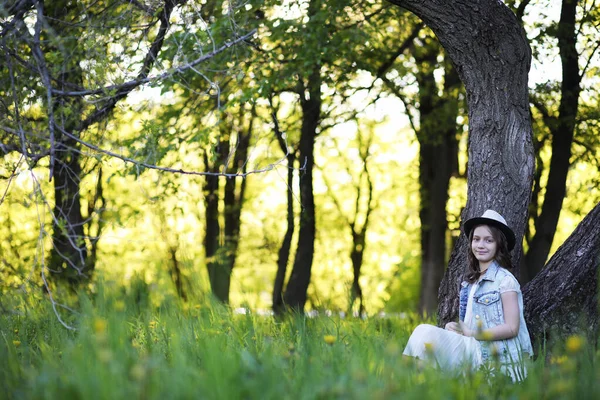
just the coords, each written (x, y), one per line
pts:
(38, 54)
(269, 167)
(149, 60)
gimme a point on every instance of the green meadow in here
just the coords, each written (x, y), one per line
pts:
(121, 346)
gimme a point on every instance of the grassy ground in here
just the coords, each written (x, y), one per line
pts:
(125, 350)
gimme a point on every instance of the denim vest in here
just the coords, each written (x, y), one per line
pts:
(488, 312)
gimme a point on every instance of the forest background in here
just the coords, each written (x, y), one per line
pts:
(309, 154)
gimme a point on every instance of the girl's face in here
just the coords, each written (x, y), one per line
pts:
(483, 245)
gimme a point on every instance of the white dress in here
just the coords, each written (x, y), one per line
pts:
(449, 350)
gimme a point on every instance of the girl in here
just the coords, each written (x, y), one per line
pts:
(491, 324)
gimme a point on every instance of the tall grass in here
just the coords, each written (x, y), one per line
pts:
(125, 348)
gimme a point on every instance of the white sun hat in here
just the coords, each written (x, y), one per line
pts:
(491, 217)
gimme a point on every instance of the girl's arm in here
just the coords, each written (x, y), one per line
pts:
(508, 330)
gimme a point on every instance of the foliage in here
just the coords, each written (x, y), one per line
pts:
(126, 349)
(173, 121)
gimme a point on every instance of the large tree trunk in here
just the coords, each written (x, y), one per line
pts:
(562, 129)
(492, 57)
(563, 298)
(437, 162)
(295, 293)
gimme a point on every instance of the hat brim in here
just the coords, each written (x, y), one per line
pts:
(508, 233)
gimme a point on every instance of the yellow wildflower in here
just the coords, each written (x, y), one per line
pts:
(420, 378)
(16, 343)
(495, 352)
(329, 339)
(558, 360)
(152, 324)
(486, 335)
(429, 347)
(99, 325)
(479, 326)
(574, 343)
(119, 305)
(198, 306)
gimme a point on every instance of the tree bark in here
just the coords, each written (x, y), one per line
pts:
(563, 130)
(68, 259)
(562, 299)
(492, 57)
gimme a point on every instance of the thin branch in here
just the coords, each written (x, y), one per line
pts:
(141, 6)
(149, 60)
(20, 133)
(41, 62)
(521, 9)
(130, 85)
(18, 10)
(10, 178)
(383, 68)
(269, 167)
(589, 60)
(42, 257)
(399, 94)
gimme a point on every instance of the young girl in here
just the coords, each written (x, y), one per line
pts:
(491, 324)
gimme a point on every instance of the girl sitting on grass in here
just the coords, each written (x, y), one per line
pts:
(491, 325)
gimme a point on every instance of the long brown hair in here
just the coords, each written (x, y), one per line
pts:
(502, 256)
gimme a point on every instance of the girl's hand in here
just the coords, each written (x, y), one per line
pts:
(465, 330)
(454, 327)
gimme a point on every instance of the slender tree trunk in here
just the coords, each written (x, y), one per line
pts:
(95, 219)
(356, 256)
(176, 274)
(283, 255)
(235, 189)
(562, 130)
(563, 298)
(216, 275)
(492, 57)
(296, 290)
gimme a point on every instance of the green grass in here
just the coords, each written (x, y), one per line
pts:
(122, 350)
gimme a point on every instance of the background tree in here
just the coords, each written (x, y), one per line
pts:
(364, 204)
(324, 59)
(72, 62)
